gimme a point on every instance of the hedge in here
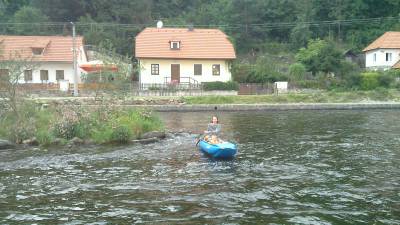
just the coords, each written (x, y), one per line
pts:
(221, 86)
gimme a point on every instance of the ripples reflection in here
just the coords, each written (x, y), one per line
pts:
(292, 167)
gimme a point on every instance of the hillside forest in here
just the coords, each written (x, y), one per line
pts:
(303, 41)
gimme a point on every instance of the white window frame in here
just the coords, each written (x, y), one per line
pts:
(155, 69)
(388, 57)
(215, 71)
(175, 45)
(374, 57)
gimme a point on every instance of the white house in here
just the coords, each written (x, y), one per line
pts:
(52, 56)
(181, 55)
(384, 52)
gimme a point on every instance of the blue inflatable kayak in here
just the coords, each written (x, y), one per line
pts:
(224, 150)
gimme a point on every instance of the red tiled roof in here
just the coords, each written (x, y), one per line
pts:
(56, 48)
(389, 39)
(396, 65)
(194, 44)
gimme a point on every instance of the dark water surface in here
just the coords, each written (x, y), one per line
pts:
(293, 167)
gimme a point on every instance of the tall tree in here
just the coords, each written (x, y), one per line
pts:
(28, 21)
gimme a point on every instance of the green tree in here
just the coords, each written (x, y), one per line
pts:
(297, 71)
(320, 56)
(266, 70)
(27, 15)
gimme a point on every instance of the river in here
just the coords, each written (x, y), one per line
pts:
(293, 167)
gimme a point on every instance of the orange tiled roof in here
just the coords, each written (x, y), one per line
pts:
(56, 48)
(396, 65)
(389, 39)
(195, 44)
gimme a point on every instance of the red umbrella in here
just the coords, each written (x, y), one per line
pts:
(98, 67)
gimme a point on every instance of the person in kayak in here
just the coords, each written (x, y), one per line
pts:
(213, 130)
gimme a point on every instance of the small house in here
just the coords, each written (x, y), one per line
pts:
(384, 52)
(52, 56)
(180, 55)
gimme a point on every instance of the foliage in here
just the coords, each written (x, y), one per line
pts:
(261, 30)
(319, 56)
(26, 15)
(380, 94)
(121, 134)
(241, 71)
(250, 24)
(44, 137)
(122, 126)
(218, 85)
(353, 80)
(385, 80)
(369, 80)
(29, 121)
(116, 70)
(297, 71)
(266, 70)
(105, 125)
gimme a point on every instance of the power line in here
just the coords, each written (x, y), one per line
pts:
(234, 26)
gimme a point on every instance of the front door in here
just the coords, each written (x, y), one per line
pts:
(175, 73)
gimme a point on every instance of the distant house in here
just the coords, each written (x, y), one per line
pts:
(179, 55)
(354, 57)
(53, 55)
(384, 52)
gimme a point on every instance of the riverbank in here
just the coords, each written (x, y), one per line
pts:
(70, 124)
(269, 107)
(310, 97)
(314, 100)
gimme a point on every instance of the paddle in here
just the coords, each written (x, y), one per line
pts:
(201, 136)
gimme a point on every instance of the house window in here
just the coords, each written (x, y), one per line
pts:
(197, 69)
(59, 75)
(155, 69)
(28, 75)
(175, 45)
(388, 57)
(374, 57)
(37, 51)
(44, 75)
(216, 69)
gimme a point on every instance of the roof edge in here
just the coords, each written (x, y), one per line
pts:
(185, 58)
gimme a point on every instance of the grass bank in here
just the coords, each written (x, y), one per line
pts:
(58, 124)
(381, 95)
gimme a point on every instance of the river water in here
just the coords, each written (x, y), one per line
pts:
(293, 167)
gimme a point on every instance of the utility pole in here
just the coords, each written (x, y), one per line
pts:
(74, 60)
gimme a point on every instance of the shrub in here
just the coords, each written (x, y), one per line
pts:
(353, 80)
(369, 80)
(154, 88)
(218, 85)
(240, 72)
(393, 72)
(65, 129)
(297, 71)
(44, 137)
(311, 84)
(385, 80)
(121, 134)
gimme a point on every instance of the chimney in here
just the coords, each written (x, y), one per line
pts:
(190, 27)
